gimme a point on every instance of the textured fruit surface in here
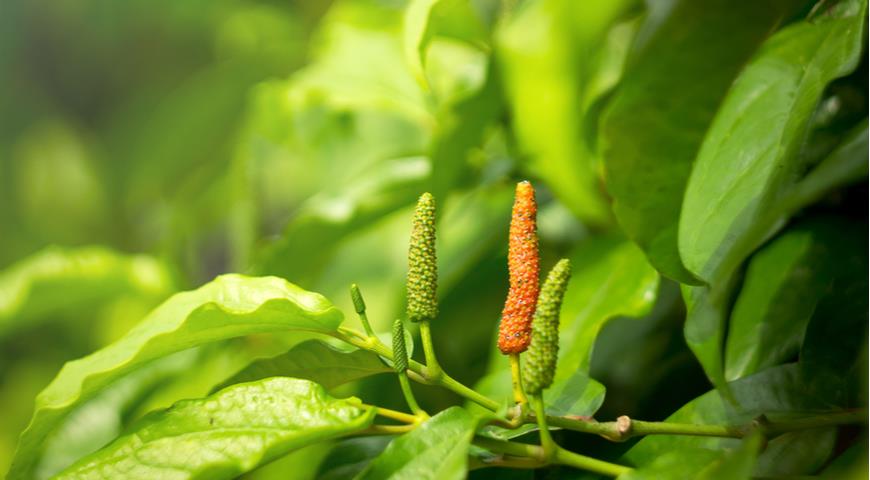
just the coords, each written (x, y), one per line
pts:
(400, 354)
(422, 265)
(543, 353)
(514, 333)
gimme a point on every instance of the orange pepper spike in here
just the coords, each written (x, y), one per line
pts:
(514, 334)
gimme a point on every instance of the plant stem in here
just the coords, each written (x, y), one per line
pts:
(409, 396)
(561, 456)
(517, 379)
(399, 416)
(433, 368)
(449, 383)
(564, 457)
(624, 427)
(386, 430)
(547, 442)
(415, 368)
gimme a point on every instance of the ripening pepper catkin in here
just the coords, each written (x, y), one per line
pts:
(519, 308)
(540, 365)
(400, 354)
(422, 265)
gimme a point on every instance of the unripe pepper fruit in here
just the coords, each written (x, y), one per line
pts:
(543, 353)
(422, 265)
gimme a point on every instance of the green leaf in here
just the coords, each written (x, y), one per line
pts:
(316, 361)
(707, 310)
(351, 456)
(230, 306)
(784, 282)
(702, 464)
(778, 393)
(98, 421)
(612, 279)
(58, 280)
(839, 368)
(656, 122)
(437, 449)
(749, 158)
(845, 165)
(851, 464)
(547, 51)
(228, 433)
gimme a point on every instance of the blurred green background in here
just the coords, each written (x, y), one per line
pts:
(146, 147)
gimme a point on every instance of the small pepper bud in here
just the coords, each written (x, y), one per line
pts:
(540, 365)
(359, 305)
(400, 354)
(515, 329)
(422, 265)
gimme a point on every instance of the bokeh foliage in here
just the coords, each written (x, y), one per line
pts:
(702, 163)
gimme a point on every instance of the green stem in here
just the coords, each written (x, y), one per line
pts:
(398, 416)
(517, 380)
(449, 383)
(624, 427)
(561, 456)
(564, 457)
(416, 369)
(385, 430)
(433, 368)
(547, 442)
(409, 396)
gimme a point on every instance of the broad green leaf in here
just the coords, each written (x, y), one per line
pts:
(839, 367)
(707, 310)
(611, 279)
(98, 421)
(58, 280)
(846, 164)
(797, 452)
(547, 52)
(351, 456)
(750, 158)
(850, 465)
(670, 92)
(316, 361)
(228, 433)
(230, 306)
(304, 464)
(783, 283)
(778, 392)
(437, 449)
(702, 464)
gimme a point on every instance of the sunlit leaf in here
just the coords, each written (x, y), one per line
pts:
(230, 306)
(228, 433)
